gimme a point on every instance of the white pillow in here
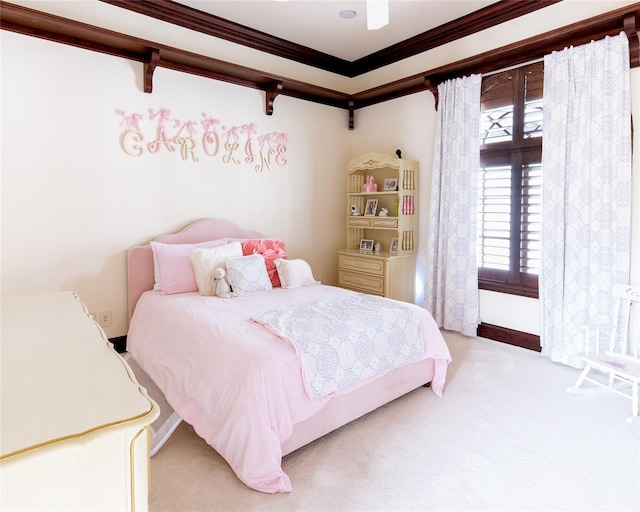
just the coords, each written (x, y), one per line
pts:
(248, 274)
(205, 261)
(294, 273)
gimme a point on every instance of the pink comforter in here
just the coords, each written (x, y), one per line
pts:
(238, 385)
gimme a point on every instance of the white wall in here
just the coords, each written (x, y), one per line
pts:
(73, 201)
(408, 124)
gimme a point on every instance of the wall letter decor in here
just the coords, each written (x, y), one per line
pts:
(234, 145)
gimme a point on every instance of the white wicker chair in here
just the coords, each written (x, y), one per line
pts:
(616, 366)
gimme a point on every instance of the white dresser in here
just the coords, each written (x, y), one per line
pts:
(74, 420)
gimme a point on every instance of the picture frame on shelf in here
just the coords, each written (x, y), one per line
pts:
(390, 184)
(366, 245)
(393, 249)
(371, 208)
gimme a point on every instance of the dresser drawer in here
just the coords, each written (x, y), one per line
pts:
(382, 222)
(363, 282)
(358, 222)
(368, 265)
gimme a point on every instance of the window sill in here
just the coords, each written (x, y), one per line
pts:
(504, 335)
(508, 288)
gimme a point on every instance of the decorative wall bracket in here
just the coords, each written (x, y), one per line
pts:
(351, 106)
(271, 92)
(151, 60)
(430, 86)
(630, 27)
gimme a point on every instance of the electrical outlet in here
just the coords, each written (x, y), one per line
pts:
(104, 318)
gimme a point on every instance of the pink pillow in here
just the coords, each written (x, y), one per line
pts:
(271, 249)
(175, 271)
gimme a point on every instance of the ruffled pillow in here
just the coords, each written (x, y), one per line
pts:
(271, 249)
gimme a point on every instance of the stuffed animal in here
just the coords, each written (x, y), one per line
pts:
(370, 185)
(221, 288)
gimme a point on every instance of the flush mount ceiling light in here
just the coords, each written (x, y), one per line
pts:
(377, 14)
(348, 14)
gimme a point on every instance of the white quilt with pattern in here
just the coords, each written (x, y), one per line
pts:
(344, 340)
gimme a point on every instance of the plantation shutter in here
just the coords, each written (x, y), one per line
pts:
(510, 178)
(494, 215)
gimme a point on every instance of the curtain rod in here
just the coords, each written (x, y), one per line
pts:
(513, 67)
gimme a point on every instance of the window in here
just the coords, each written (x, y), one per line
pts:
(509, 205)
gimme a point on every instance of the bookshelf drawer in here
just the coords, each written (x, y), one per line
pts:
(363, 282)
(382, 222)
(358, 222)
(367, 265)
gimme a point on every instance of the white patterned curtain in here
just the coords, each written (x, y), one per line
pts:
(586, 191)
(451, 278)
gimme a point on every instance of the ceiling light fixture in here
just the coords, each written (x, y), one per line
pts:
(377, 14)
(348, 14)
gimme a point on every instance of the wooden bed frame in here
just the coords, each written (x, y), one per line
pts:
(339, 410)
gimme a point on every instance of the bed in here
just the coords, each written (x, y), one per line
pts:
(231, 369)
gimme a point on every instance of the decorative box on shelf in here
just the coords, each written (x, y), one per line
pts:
(380, 183)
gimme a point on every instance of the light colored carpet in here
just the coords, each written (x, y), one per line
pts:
(505, 436)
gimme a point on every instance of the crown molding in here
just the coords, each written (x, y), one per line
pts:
(193, 19)
(152, 55)
(487, 17)
(214, 26)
